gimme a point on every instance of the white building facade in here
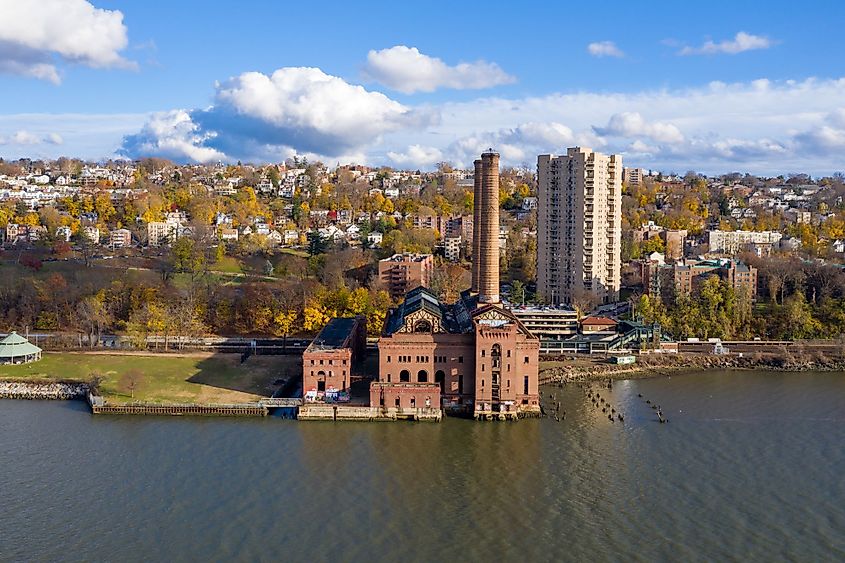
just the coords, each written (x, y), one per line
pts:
(579, 226)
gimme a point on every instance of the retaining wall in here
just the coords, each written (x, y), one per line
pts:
(42, 391)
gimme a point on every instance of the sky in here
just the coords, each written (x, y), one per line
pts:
(673, 86)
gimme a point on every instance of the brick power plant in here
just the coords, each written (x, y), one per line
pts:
(471, 357)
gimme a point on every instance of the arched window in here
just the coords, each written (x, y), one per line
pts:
(440, 377)
(422, 376)
(422, 326)
(404, 375)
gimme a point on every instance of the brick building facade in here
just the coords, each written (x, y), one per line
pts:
(327, 362)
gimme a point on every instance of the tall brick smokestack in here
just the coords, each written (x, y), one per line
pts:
(487, 211)
(476, 225)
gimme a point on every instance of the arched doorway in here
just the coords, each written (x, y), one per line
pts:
(422, 376)
(404, 375)
(321, 382)
(440, 378)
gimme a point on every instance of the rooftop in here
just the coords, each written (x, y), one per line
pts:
(407, 257)
(16, 346)
(335, 334)
(599, 321)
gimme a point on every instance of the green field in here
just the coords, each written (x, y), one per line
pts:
(228, 265)
(194, 378)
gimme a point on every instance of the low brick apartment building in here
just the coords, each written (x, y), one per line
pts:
(403, 272)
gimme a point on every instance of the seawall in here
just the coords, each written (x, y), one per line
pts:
(663, 364)
(42, 391)
(317, 411)
(100, 406)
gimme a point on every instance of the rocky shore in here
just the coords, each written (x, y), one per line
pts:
(666, 364)
(42, 391)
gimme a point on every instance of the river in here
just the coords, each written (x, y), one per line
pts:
(749, 467)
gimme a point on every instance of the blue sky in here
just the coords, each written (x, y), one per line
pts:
(716, 86)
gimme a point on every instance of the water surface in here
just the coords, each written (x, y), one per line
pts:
(748, 468)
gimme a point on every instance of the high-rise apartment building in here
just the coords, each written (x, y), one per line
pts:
(579, 226)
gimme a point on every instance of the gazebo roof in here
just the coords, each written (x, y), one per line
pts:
(16, 346)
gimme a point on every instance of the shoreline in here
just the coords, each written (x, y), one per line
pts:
(648, 366)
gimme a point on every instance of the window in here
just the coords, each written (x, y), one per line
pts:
(321, 362)
(388, 359)
(460, 359)
(482, 384)
(413, 402)
(312, 362)
(344, 362)
(509, 353)
(525, 386)
(397, 402)
(526, 360)
(388, 378)
(422, 376)
(405, 375)
(483, 353)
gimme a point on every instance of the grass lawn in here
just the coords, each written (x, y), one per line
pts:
(292, 252)
(228, 265)
(195, 378)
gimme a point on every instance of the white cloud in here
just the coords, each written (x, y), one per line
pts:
(256, 116)
(520, 144)
(828, 137)
(407, 70)
(760, 126)
(174, 135)
(416, 156)
(741, 42)
(34, 35)
(23, 137)
(604, 49)
(750, 126)
(632, 124)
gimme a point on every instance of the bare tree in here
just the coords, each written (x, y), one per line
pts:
(130, 381)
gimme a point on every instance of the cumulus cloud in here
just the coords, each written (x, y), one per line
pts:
(34, 36)
(520, 144)
(604, 49)
(23, 137)
(760, 126)
(632, 124)
(741, 42)
(751, 126)
(416, 156)
(407, 70)
(828, 137)
(173, 135)
(254, 115)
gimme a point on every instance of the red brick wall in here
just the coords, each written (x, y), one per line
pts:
(334, 370)
(453, 354)
(405, 396)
